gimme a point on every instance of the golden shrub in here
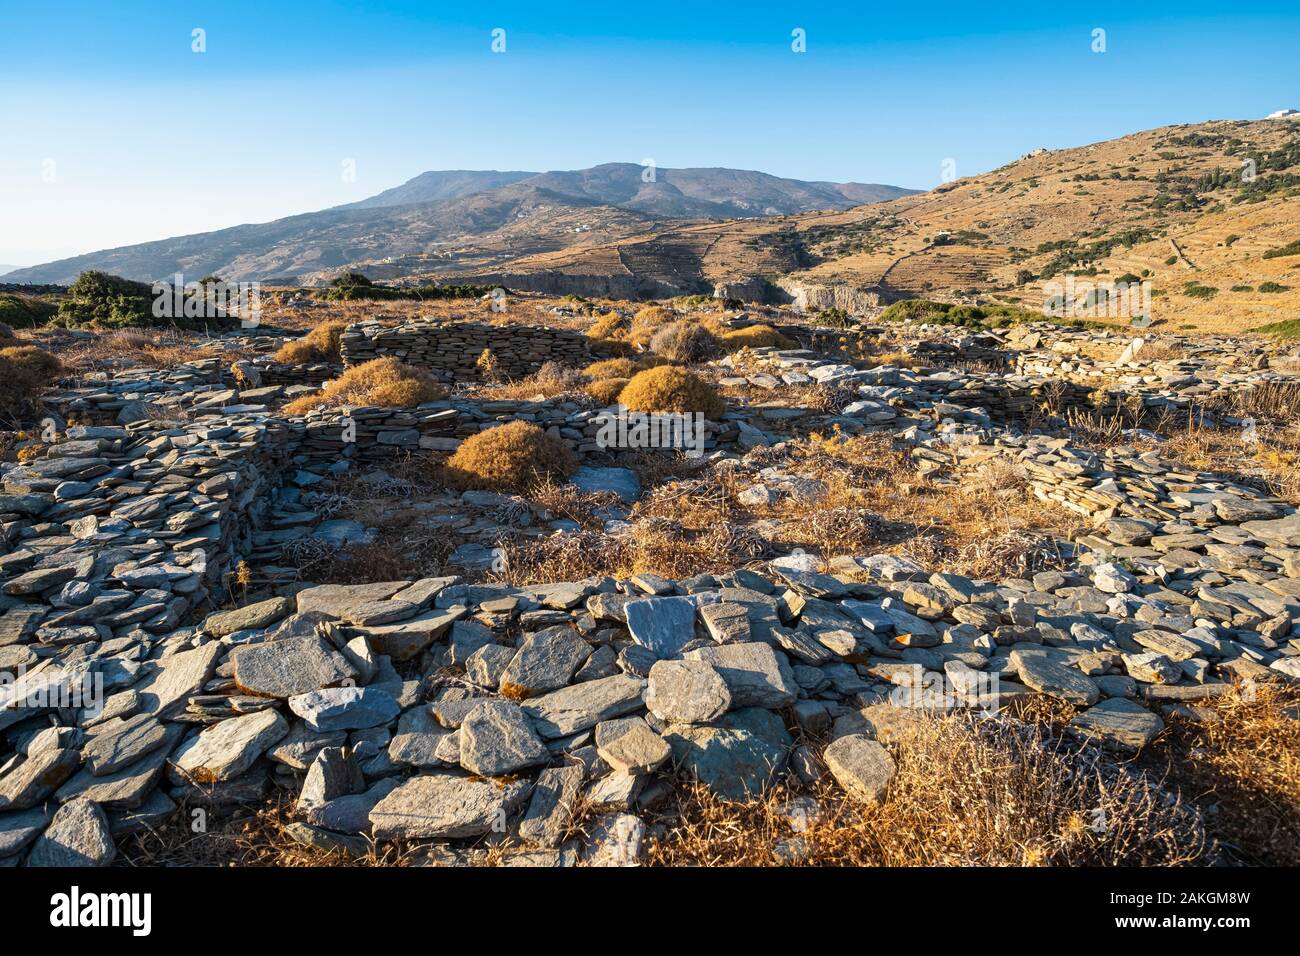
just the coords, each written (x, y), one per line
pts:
(684, 341)
(321, 344)
(384, 382)
(611, 326)
(755, 337)
(611, 368)
(24, 371)
(514, 457)
(667, 388)
(606, 390)
(647, 322)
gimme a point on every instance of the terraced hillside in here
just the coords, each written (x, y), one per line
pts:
(1198, 210)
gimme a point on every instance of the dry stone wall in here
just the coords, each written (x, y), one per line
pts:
(451, 349)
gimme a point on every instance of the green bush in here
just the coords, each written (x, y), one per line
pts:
(968, 316)
(353, 285)
(1273, 287)
(1195, 290)
(1290, 249)
(107, 300)
(24, 311)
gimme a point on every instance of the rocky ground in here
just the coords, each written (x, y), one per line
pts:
(209, 605)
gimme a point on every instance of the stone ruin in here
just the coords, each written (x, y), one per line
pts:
(458, 715)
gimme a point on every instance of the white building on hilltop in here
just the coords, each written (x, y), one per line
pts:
(1284, 114)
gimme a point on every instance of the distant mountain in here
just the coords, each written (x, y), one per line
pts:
(468, 219)
(6, 268)
(438, 185)
(716, 193)
(1169, 207)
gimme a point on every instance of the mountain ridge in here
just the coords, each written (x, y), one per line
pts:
(470, 215)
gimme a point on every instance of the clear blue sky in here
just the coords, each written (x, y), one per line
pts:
(148, 139)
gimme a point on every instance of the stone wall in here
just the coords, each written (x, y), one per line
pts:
(451, 349)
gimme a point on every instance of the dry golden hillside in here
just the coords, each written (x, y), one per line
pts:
(1193, 209)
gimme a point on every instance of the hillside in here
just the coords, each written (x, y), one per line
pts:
(1166, 205)
(465, 219)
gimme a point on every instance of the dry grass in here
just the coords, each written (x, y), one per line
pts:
(667, 388)
(321, 344)
(24, 371)
(968, 791)
(1241, 760)
(551, 381)
(383, 382)
(513, 457)
(684, 341)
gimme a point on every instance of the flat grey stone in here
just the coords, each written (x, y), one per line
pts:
(337, 600)
(351, 813)
(250, 617)
(444, 806)
(178, 677)
(687, 692)
(120, 743)
(755, 674)
(1120, 723)
(289, 667)
(36, 777)
(735, 764)
(861, 766)
(546, 661)
(582, 706)
(497, 738)
(418, 738)
(21, 827)
(127, 788)
(228, 748)
(662, 624)
(621, 481)
(1047, 676)
(77, 836)
(345, 708)
(551, 807)
(629, 746)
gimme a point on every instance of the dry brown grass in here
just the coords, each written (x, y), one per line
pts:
(24, 371)
(647, 321)
(321, 344)
(513, 457)
(684, 341)
(552, 380)
(382, 382)
(667, 388)
(160, 348)
(1242, 759)
(967, 792)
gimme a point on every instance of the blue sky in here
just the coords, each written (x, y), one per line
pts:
(115, 132)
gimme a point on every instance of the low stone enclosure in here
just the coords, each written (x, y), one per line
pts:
(451, 350)
(464, 715)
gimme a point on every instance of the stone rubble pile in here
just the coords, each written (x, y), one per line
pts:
(459, 716)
